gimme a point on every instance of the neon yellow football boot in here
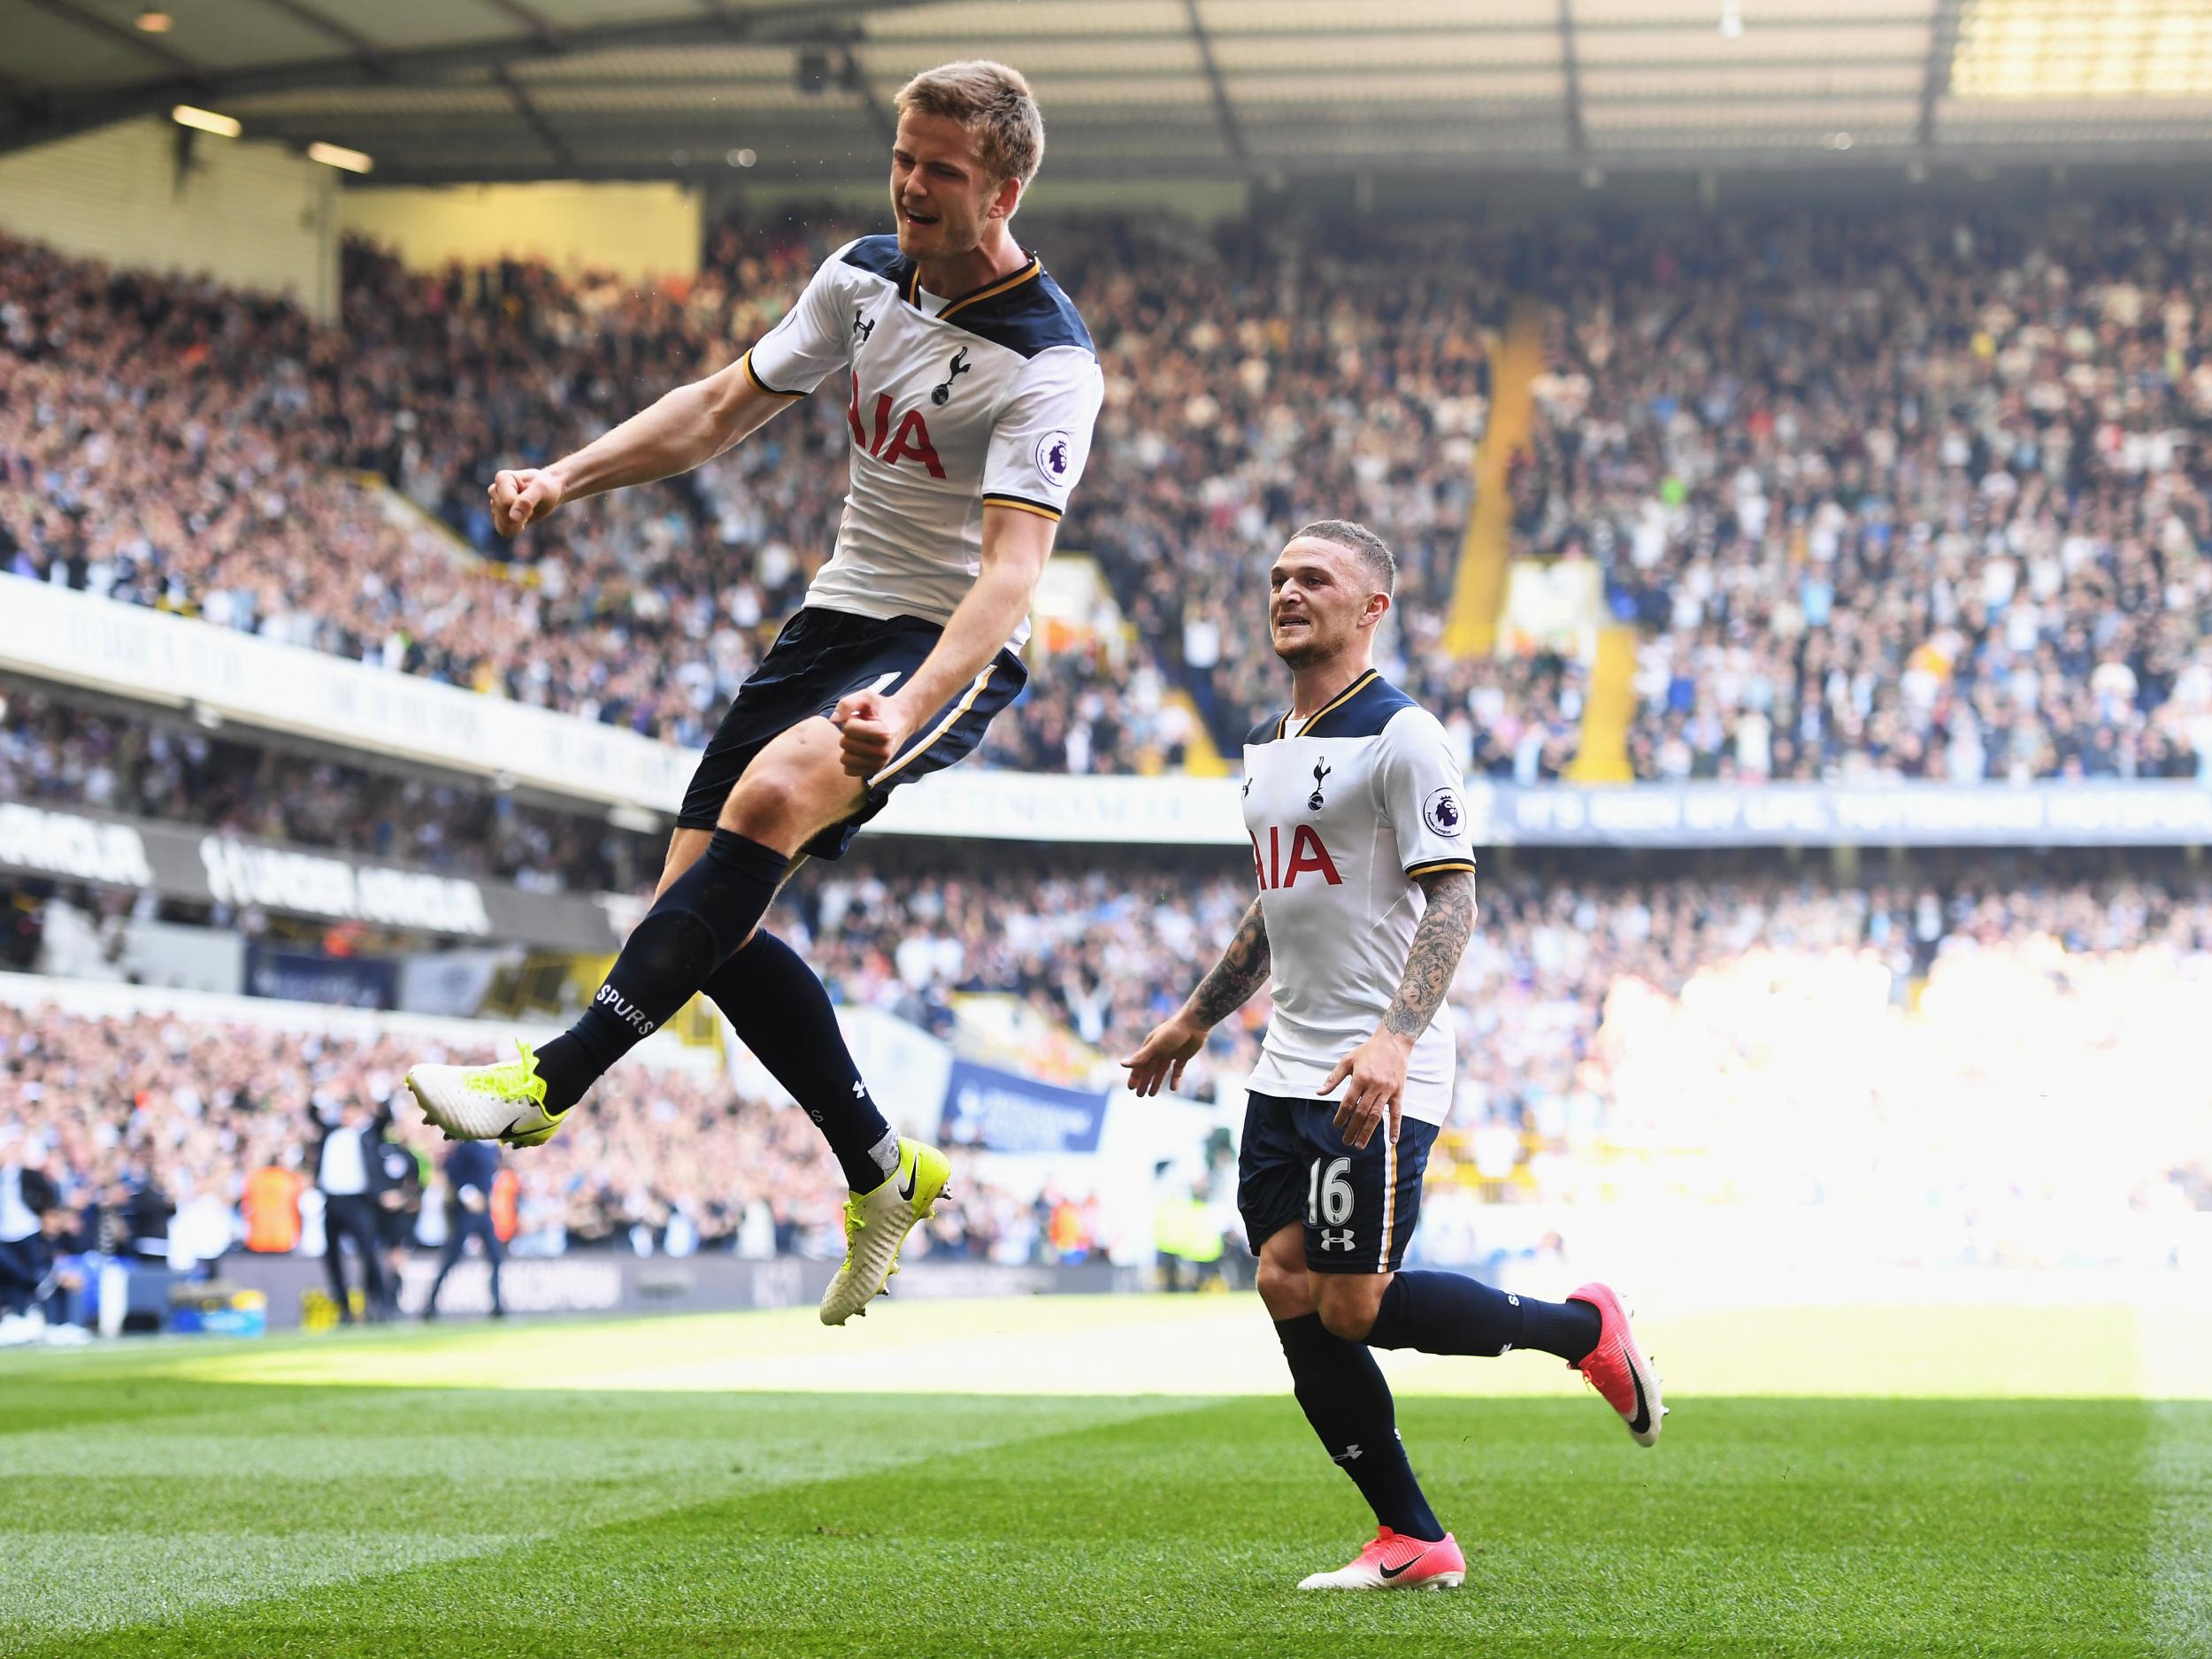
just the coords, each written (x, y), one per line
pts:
(487, 1103)
(876, 1226)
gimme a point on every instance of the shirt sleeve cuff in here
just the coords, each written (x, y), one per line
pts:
(753, 374)
(1022, 503)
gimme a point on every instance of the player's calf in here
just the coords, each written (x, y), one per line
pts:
(1450, 1313)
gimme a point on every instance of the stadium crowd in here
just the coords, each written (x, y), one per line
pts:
(149, 1127)
(166, 443)
(1696, 1025)
(1924, 499)
(1919, 499)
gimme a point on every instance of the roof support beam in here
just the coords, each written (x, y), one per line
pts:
(546, 37)
(1577, 138)
(1943, 45)
(777, 21)
(137, 40)
(364, 49)
(1447, 173)
(1231, 134)
(534, 118)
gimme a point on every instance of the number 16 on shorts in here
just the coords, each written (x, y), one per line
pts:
(1329, 1202)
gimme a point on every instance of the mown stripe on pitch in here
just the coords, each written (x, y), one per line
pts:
(151, 1584)
(2178, 1468)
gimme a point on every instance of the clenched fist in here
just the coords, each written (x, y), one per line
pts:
(870, 729)
(523, 497)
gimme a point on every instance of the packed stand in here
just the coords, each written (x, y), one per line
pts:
(1590, 1014)
(1758, 1039)
(148, 1127)
(1101, 955)
(166, 443)
(1919, 498)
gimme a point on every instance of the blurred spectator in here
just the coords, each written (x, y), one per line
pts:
(346, 1175)
(470, 1169)
(397, 1187)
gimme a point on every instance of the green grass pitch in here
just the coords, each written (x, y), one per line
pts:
(347, 1497)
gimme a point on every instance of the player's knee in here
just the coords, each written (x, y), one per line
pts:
(1351, 1323)
(1284, 1290)
(1347, 1307)
(769, 806)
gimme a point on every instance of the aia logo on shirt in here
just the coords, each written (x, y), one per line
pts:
(1307, 857)
(909, 442)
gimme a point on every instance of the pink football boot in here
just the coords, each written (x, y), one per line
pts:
(1393, 1561)
(1617, 1367)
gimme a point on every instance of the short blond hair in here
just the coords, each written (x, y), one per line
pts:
(994, 102)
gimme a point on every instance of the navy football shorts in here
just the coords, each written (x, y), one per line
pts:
(820, 658)
(1358, 1208)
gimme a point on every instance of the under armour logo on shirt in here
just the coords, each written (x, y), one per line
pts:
(863, 329)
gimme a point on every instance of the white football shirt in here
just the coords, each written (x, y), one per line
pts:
(986, 397)
(1345, 809)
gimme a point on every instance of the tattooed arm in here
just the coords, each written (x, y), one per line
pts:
(1439, 942)
(1228, 984)
(1375, 1072)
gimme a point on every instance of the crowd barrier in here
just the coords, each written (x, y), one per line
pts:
(51, 633)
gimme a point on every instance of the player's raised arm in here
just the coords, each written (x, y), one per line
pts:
(1228, 986)
(683, 429)
(690, 425)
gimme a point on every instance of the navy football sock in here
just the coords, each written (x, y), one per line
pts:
(1449, 1313)
(1347, 1401)
(692, 929)
(785, 1016)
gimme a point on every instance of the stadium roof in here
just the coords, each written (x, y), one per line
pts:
(476, 90)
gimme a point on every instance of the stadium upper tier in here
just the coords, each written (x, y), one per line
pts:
(1918, 497)
(1888, 496)
(169, 444)
(1978, 1052)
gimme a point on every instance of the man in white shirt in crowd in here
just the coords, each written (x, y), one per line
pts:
(347, 1181)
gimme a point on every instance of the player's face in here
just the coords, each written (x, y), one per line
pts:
(941, 194)
(1320, 596)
